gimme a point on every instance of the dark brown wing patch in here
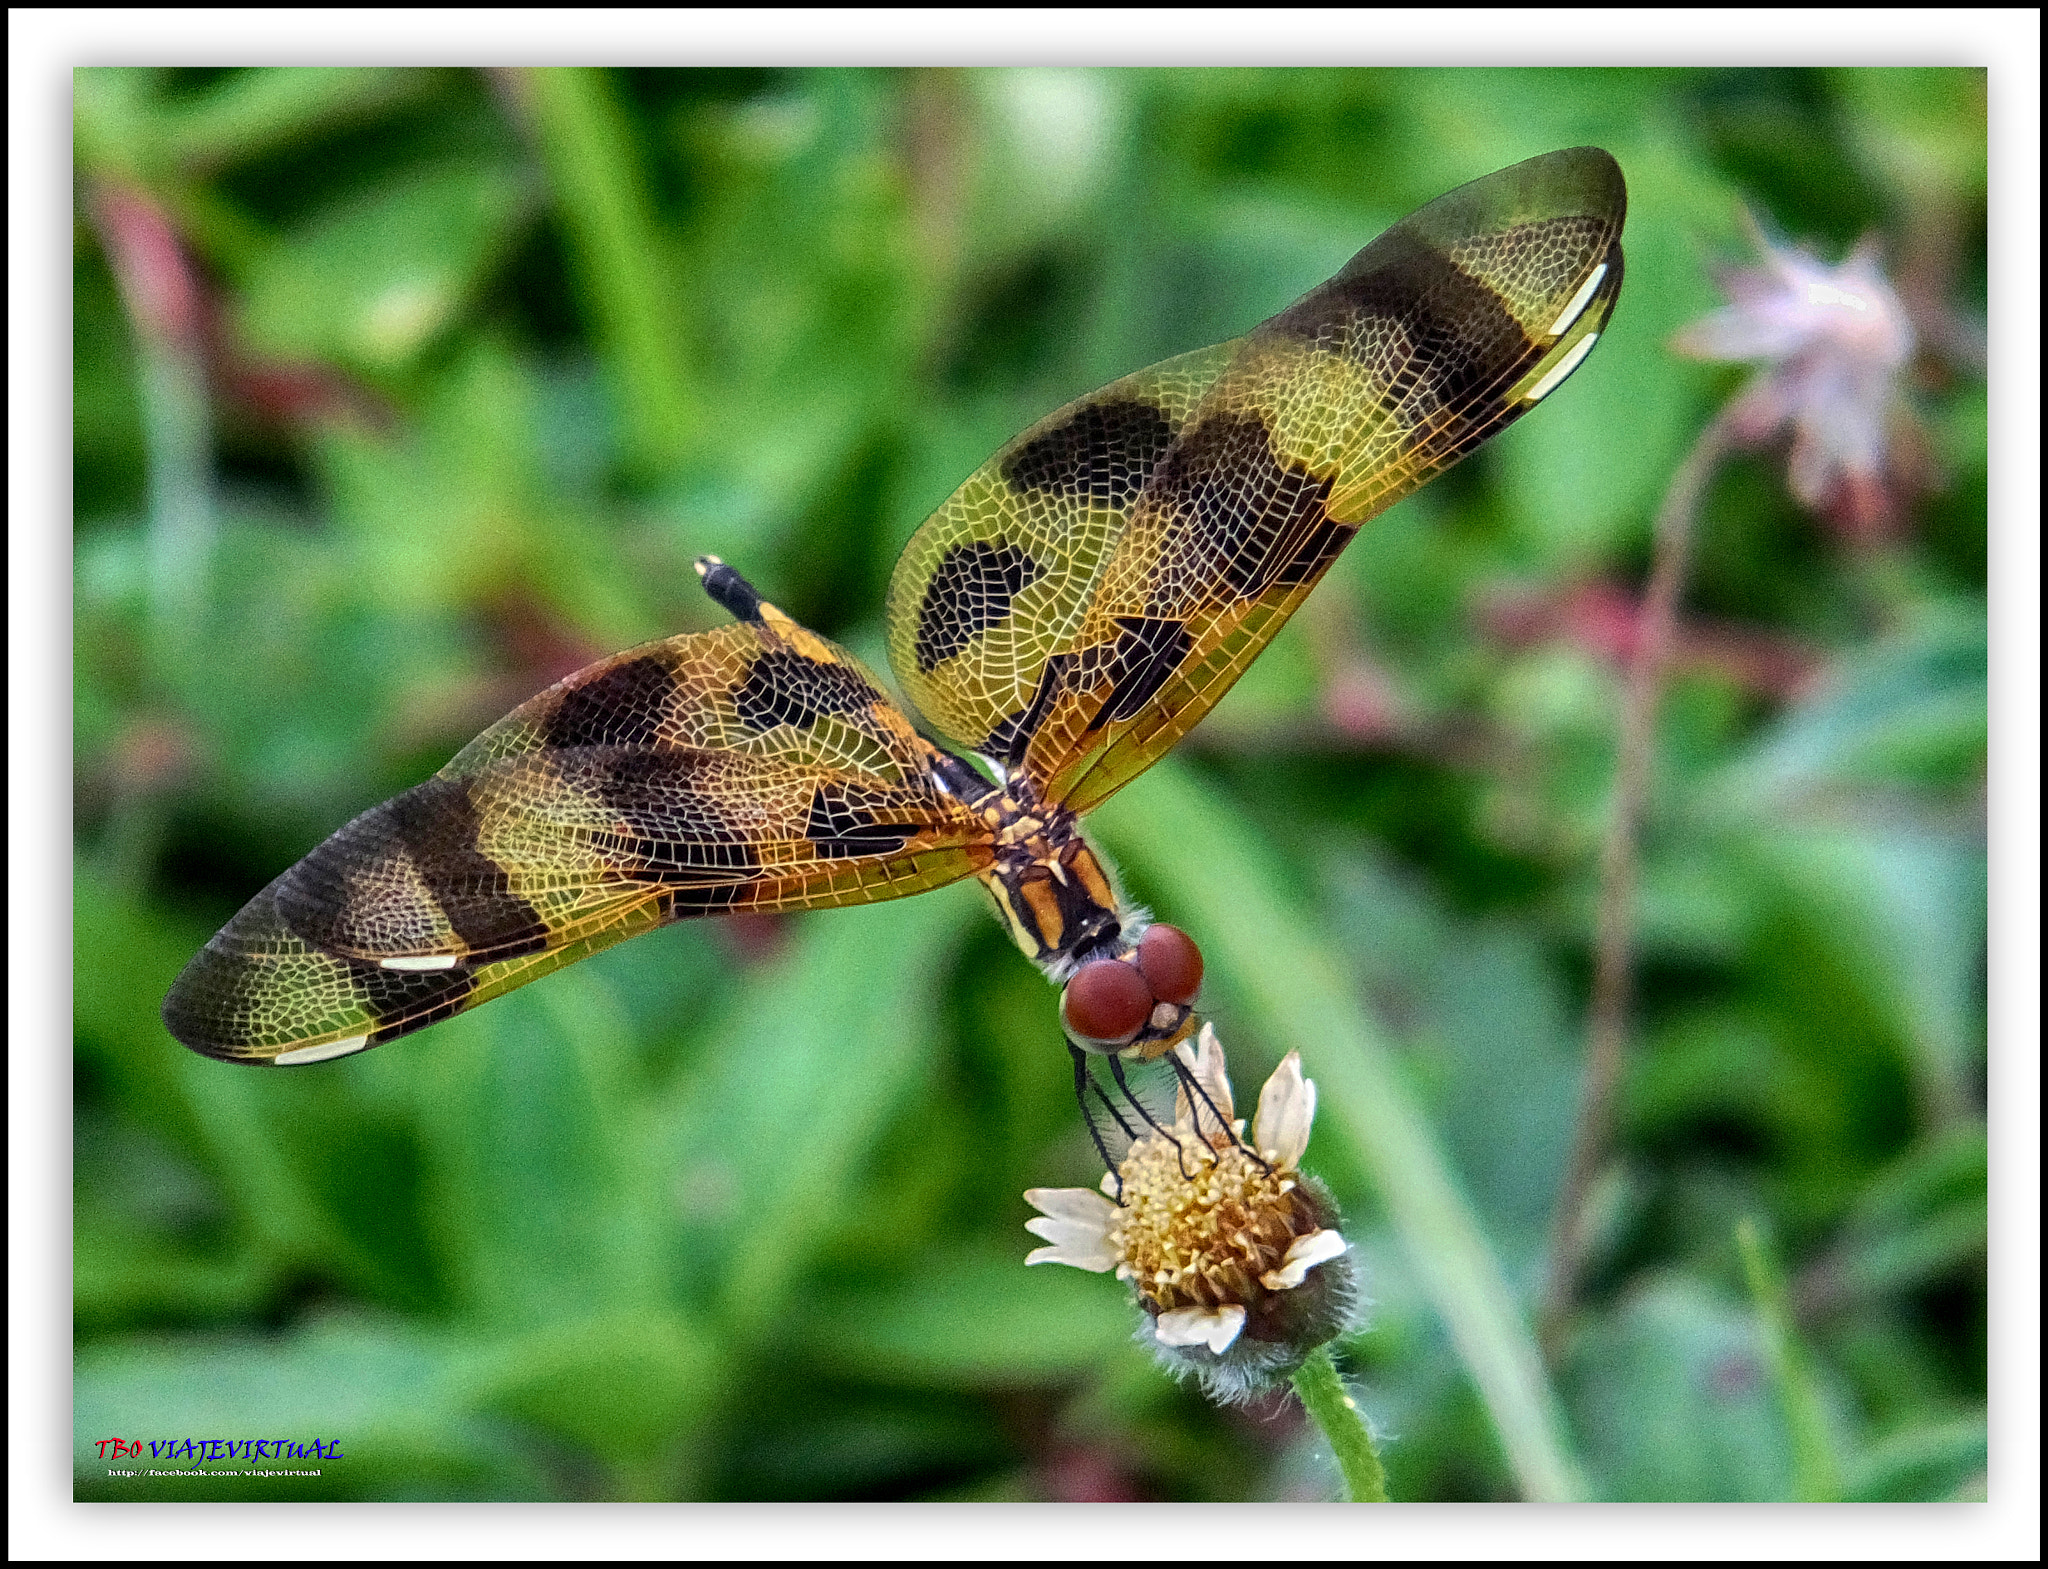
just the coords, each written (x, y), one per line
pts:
(787, 687)
(627, 704)
(974, 587)
(1244, 518)
(1102, 454)
(406, 878)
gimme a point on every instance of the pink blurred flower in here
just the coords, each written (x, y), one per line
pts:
(1833, 343)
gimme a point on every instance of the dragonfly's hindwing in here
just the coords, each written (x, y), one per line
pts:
(754, 767)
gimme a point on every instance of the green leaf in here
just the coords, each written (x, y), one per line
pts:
(392, 1400)
(1819, 806)
(372, 283)
(1900, 908)
(543, 1201)
(234, 1120)
(1903, 711)
(766, 1140)
(628, 1387)
(1674, 1398)
(1925, 1216)
(971, 1320)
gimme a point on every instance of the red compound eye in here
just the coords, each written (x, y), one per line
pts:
(1172, 964)
(1107, 1001)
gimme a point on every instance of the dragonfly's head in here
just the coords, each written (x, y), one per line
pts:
(1137, 1002)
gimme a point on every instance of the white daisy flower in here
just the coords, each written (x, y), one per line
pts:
(1233, 1254)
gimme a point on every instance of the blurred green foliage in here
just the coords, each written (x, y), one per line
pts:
(734, 1211)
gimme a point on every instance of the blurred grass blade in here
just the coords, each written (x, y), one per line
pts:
(163, 301)
(1225, 886)
(1816, 1478)
(771, 1133)
(601, 190)
(252, 111)
(1935, 1460)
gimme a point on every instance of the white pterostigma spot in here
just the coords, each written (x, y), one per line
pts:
(1570, 313)
(425, 961)
(1562, 368)
(320, 1053)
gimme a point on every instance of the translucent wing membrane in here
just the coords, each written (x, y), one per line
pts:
(995, 583)
(752, 767)
(1441, 332)
(1444, 330)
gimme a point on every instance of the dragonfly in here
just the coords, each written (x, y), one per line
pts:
(1073, 610)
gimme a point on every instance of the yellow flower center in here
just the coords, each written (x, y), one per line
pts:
(1203, 1240)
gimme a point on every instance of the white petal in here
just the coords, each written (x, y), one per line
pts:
(1083, 1246)
(1076, 1204)
(1076, 1222)
(1303, 1254)
(1205, 1061)
(1099, 1262)
(1065, 1233)
(1287, 1107)
(1215, 1328)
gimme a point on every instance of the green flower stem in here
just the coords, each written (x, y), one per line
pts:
(601, 190)
(1816, 1477)
(1336, 1414)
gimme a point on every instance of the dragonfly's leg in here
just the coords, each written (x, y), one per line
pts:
(1083, 1083)
(1199, 1097)
(1116, 1071)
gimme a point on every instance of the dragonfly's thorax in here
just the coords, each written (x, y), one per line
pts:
(1059, 899)
(1051, 889)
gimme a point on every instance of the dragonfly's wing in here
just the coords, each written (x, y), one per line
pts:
(1095, 588)
(996, 582)
(1447, 328)
(753, 767)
